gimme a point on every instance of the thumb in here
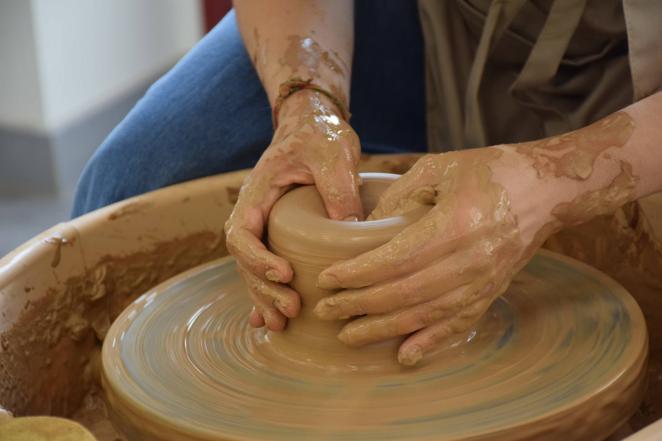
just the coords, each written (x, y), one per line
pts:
(339, 189)
(415, 188)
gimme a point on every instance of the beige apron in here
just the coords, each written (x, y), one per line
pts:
(513, 70)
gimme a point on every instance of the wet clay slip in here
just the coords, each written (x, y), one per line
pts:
(560, 356)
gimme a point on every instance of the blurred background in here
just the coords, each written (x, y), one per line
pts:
(69, 72)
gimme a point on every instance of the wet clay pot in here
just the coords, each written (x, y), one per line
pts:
(60, 291)
(301, 232)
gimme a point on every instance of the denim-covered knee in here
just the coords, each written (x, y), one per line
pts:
(209, 114)
(105, 179)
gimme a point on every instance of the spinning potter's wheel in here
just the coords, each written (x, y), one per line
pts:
(560, 356)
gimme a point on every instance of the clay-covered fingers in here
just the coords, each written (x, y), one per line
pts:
(245, 227)
(413, 349)
(255, 319)
(411, 190)
(274, 302)
(249, 250)
(374, 328)
(413, 248)
(429, 283)
(337, 181)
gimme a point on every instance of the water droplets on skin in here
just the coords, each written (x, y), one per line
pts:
(305, 57)
(307, 43)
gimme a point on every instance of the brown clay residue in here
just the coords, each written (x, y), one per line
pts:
(329, 61)
(307, 53)
(345, 66)
(596, 203)
(47, 358)
(363, 393)
(93, 415)
(233, 194)
(573, 154)
(624, 245)
(471, 216)
(301, 52)
(587, 206)
(319, 124)
(58, 242)
(339, 94)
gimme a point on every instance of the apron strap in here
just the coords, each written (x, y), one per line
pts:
(540, 67)
(547, 53)
(500, 15)
(545, 58)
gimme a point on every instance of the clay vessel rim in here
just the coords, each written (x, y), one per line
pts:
(306, 223)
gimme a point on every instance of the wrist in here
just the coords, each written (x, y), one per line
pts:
(304, 102)
(532, 198)
(581, 174)
(599, 196)
(334, 103)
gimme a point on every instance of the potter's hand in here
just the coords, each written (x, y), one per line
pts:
(312, 145)
(438, 276)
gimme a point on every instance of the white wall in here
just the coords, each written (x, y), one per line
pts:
(90, 51)
(60, 59)
(20, 102)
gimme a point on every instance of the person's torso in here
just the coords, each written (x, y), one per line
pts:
(522, 69)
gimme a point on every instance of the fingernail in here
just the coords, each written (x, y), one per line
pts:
(284, 307)
(328, 281)
(411, 357)
(279, 305)
(272, 275)
(345, 337)
(269, 320)
(324, 310)
(351, 218)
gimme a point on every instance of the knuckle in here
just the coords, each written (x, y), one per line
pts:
(417, 320)
(412, 291)
(360, 305)
(427, 160)
(441, 333)
(232, 243)
(230, 234)
(461, 325)
(353, 145)
(231, 246)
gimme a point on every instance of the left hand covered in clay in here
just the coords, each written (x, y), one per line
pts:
(312, 145)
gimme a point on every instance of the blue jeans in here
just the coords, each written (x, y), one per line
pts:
(210, 114)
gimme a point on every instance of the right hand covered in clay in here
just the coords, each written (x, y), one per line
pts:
(312, 145)
(439, 275)
(491, 209)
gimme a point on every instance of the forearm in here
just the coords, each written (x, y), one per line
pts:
(306, 39)
(644, 148)
(616, 160)
(585, 173)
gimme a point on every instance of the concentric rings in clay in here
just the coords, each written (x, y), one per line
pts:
(560, 356)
